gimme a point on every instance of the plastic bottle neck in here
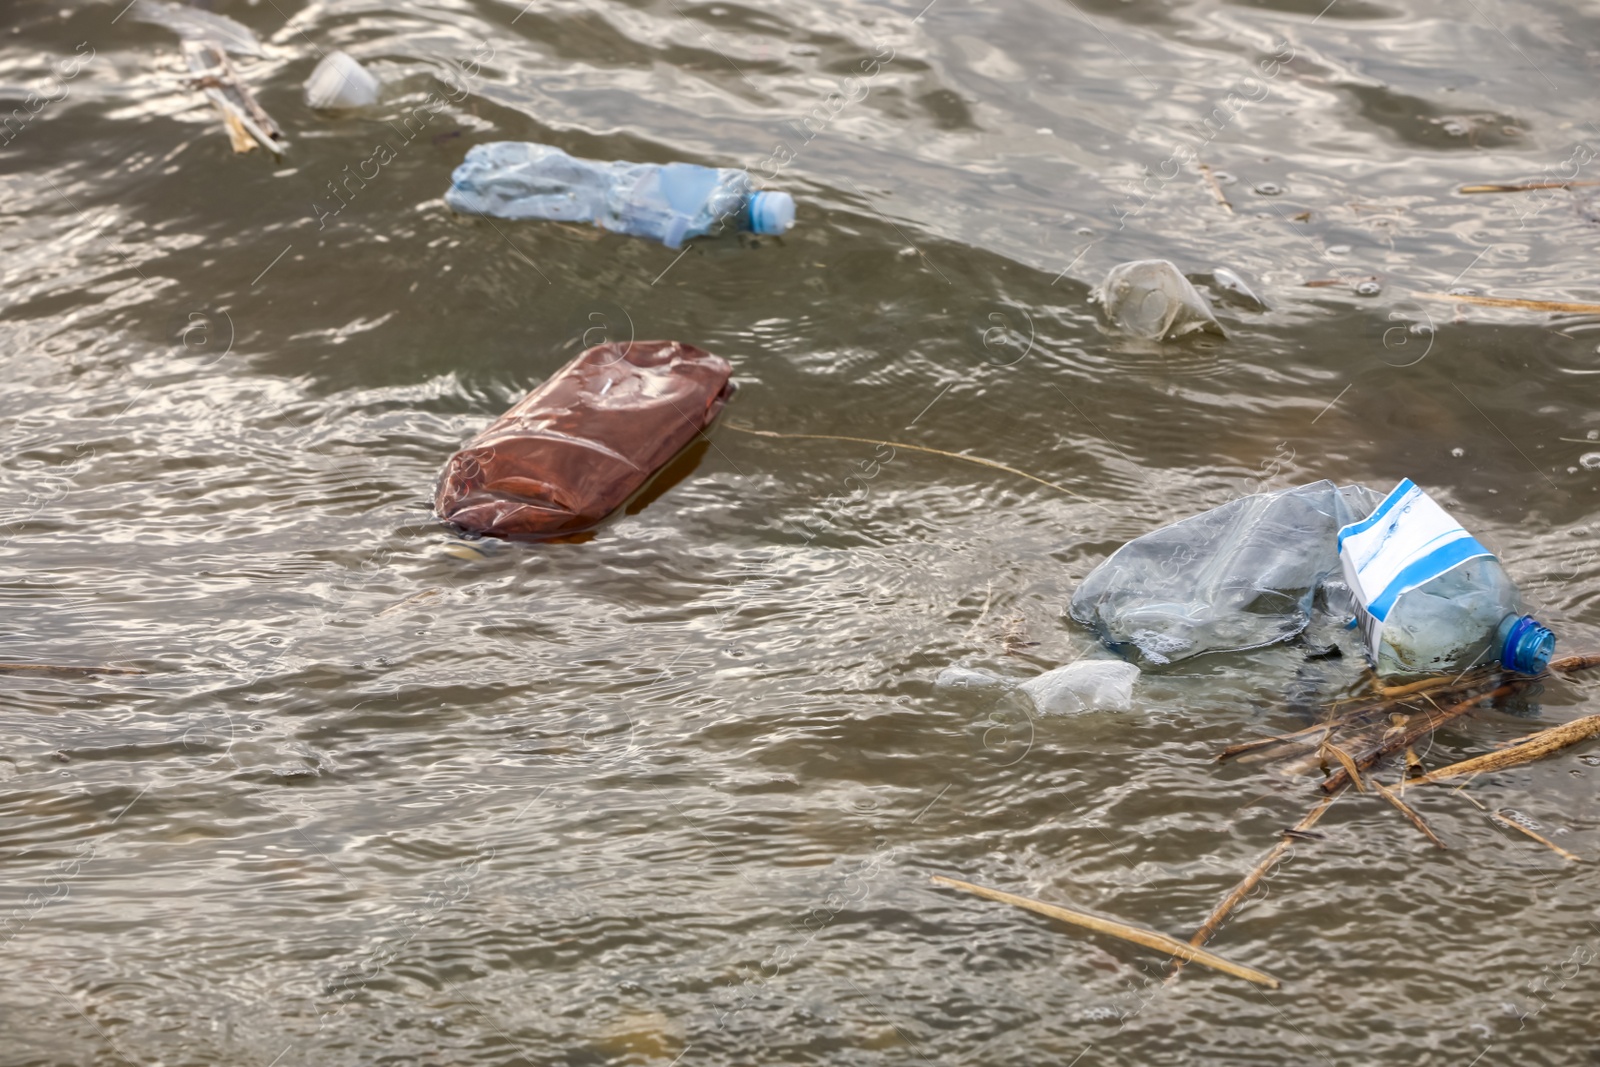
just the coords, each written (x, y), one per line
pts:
(1525, 645)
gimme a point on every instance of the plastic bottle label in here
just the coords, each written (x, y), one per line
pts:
(1408, 541)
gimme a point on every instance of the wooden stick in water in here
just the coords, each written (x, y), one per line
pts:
(1220, 913)
(1534, 747)
(1408, 811)
(1298, 737)
(1576, 663)
(1138, 935)
(1441, 682)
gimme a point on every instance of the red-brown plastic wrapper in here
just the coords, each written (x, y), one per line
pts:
(575, 449)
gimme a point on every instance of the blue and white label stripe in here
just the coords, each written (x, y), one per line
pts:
(1407, 541)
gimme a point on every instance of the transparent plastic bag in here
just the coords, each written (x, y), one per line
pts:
(1243, 575)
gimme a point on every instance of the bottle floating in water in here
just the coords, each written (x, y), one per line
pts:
(1430, 598)
(669, 202)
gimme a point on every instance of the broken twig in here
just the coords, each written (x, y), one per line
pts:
(1224, 908)
(1216, 186)
(1408, 811)
(1429, 721)
(1138, 935)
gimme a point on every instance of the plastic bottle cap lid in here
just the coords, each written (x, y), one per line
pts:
(771, 213)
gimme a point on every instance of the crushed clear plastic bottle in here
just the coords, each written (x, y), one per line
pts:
(669, 202)
(1466, 617)
(1431, 599)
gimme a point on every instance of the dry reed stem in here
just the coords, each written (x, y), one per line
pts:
(1517, 302)
(56, 668)
(1534, 747)
(1138, 935)
(1349, 765)
(1519, 187)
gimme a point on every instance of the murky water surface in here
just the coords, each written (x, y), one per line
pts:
(675, 794)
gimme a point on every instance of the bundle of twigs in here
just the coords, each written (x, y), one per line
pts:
(1357, 739)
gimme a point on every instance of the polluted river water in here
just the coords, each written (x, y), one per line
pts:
(676, 793)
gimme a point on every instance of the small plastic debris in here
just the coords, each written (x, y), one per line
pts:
(1149, 298)
(340, 82)
(669, 202)
(1087, 685)
(1368, 288)
(194, 24)
(970, 678)
(579, 446)
(1234, 287)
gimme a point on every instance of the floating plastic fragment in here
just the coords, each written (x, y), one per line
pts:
(1087, 685)
(339, 82)
(1235, 288)
(970, 678)
(193, 24)
(1149, 298)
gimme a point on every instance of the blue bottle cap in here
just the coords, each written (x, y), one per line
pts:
(771, 213)
(1528, 647)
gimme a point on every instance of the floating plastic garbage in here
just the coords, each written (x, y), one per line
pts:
(578, 447)
(971, 678)
(1244, 575)
(1087, 685)
(206, 40)
(194, 24)
(340, 82)
(1149, 298)
(1236, 289)
(1431, 598)
(1255, 571)
(669, 202)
